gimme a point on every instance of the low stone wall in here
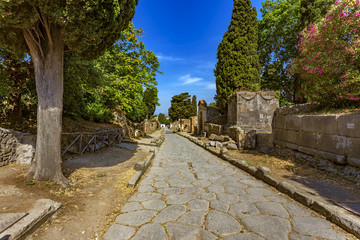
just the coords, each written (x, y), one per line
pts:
(332, 137)
(16, 147)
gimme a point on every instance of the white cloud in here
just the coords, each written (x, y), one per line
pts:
(211, 86)
(187, 79)
(169, 58)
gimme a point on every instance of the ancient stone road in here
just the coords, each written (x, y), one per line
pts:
(190, 194)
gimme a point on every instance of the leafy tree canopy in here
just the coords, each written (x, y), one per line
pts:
(151, 100)
(281, 22)
(88, 27)
(181, 107)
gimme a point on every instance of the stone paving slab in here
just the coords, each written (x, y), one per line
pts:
(9, 219)
(188, 193)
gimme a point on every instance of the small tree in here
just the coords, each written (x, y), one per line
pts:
(162, 119)
(238, 63)
(329, 61)
(151, 100)
(180, 106)
(194, 106)
(45, 29)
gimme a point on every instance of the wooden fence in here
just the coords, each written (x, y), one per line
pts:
(81, 142)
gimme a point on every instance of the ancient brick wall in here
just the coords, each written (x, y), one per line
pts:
(332, 137)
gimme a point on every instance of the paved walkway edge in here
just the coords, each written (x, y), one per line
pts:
(142, 166)
(42, 210)
(333, 213)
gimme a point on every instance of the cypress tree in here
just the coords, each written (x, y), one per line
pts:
(238, 62)
(194, 106)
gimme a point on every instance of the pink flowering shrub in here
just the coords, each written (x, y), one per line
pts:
(329, 62)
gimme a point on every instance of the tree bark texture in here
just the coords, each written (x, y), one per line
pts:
(46, 45)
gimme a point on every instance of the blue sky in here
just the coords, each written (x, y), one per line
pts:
(185, 35)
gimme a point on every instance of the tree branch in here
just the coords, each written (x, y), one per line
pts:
(34, 45)
(47, 27)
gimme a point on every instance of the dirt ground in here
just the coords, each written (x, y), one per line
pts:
(89, 207)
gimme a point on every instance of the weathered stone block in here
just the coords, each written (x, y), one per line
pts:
(333, 144)
(214, 137)
(265, 140)
(292, 136)
(280, 143)
(280, 134)
(250, 140)
(353, 148)
(293, 122)
(354, 162)
(309, 139)
(291, 146)
(307, 150)
(218, 145)
(240, 137)
(279, 121)
(349, 125)
(320, 124)
(231, 146)
(340, 159)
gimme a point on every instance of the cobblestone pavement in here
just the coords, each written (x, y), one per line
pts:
(191, 194)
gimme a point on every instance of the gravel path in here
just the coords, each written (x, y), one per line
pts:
(191, 194)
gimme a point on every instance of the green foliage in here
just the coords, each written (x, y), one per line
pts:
(238, 62)
(92, 89)
(213, 104)
(194, 106)
(281, 22)
(162, 118)
(128, 68)
(329, 62)
(88, 28)
(17, 87)
(181, 107)
(151, 100)
(80, 77)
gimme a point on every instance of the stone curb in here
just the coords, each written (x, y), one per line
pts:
(333, 213)
(42, 210)
(142, 166)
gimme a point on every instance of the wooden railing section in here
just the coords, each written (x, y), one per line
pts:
(81, 142)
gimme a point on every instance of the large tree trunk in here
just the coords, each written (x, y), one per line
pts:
(46, 46)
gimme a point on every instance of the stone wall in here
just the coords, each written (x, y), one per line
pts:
(332, 137)
(16, 147)
(149, 126)
(252, 110)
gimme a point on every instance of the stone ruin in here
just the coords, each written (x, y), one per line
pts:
(252, 110)
(16, 147)
(249, 113)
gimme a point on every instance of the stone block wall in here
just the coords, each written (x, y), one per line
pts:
(332, 137)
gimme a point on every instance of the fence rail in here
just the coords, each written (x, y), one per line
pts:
(81, 142)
